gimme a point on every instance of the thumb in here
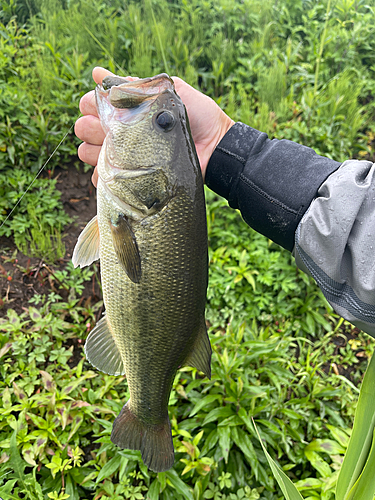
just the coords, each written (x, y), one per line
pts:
(99, 73)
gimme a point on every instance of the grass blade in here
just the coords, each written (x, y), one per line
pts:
(178, 484)
(286, 485)
(359, 456)
(364, 488)
(159, 38)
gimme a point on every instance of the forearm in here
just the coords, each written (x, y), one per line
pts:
(305, 202)
(335, 242)
(272, 183)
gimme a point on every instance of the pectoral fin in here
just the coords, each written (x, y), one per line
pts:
(126, 248)
(200, 356)
(86, 250)
(101, 349)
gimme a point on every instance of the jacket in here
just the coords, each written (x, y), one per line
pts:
(321, 210)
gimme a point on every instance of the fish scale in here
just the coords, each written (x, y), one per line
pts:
(151, 237)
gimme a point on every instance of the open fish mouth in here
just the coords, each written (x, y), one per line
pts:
(123, 93)
(129, 101)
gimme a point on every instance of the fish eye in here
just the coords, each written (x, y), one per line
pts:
(165, 120)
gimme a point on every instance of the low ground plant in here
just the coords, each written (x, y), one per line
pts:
(57, 412)
(299, 70)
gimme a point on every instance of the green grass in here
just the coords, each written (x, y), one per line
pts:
(278, 371)
(297, 69)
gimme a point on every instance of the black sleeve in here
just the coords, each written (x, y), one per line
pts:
(272, 182)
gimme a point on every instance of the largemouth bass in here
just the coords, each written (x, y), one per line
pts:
(151, 237)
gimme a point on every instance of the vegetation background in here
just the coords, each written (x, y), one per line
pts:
(297, 69)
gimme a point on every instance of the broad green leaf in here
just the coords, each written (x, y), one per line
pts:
(109, 468)
(243, 441)
(330, 483)
(361, 438)
(230, 421)
(153, 492)
(197, 438)
(178, 484)
(224, 441)
(224, 411)
(18, 465)
(5, 349)
(70, 489)
(245, 418)
(327, 445)
(7, 399)
(204, 402)
(364, 488)
(318, 463)
(131, 454)
(210, 442)
(74, 383)
(162, 480)
(308, 484)
(340, 435)
(77, 421)
(5, 490)
(16, 461)
(286, 485)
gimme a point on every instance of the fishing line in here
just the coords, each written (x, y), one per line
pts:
(42, 168)
(37, 175)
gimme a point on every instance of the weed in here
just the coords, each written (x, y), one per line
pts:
(279, 352)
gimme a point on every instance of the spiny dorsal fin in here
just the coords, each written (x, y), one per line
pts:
(200, 356)
(101, 350)
(86, 250)
(126, 248)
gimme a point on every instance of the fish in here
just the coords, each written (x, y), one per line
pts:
(150, 234)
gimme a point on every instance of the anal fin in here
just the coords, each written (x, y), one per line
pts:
(200, 356)
(86, 250)
(101, 349)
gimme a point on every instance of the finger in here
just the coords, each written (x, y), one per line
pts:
(94, 177)
(87, 105)
(89, 153)
(88, 129)
(182, 88)
(99, 73)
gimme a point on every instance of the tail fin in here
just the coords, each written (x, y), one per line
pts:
(154, 441)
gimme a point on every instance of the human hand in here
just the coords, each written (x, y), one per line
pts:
(88, 127)
(208, 123)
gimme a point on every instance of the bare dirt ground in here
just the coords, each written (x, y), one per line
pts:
(21, 277)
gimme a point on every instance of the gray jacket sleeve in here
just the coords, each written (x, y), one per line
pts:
(335, 242)
(321, 210)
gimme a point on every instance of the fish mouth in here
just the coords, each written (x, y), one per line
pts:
(129, 101)
(123, 93)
